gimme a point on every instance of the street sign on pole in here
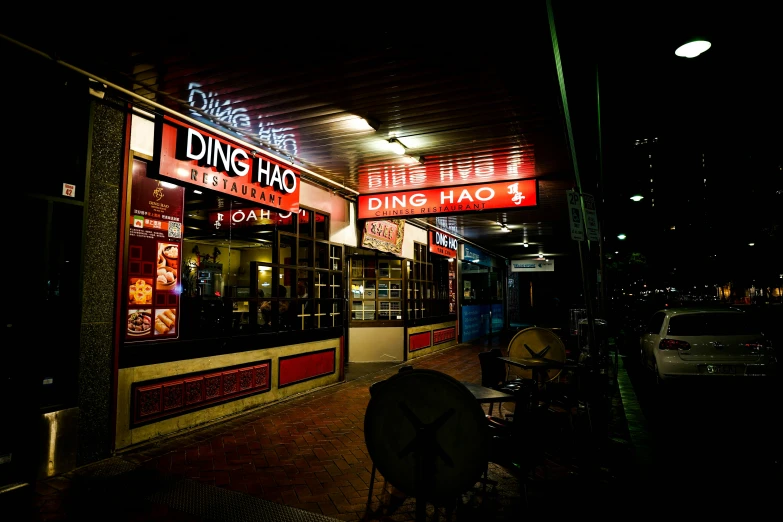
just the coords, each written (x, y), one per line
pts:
(575, 216)
(591, 217)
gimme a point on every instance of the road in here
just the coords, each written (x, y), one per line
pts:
(716, 445)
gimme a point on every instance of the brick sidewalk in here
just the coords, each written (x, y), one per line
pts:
(309, 453)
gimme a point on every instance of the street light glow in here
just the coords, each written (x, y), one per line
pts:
(637, 197)
(692, 49)
(621, 236)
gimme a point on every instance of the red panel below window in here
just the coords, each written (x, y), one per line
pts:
(298, 368)
(444, 335)
(418, 341)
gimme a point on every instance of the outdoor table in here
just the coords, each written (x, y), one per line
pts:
(487, 395)
(535, 364)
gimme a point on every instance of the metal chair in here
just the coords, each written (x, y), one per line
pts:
(493, 374)
(518, 444)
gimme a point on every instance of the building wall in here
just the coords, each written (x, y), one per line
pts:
(101, 259)
(427, 339)
(384, 344)
(157, 378)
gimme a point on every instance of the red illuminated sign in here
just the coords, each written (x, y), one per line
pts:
(193, 156)
(516, 161)
(443, 244)
(449, 200)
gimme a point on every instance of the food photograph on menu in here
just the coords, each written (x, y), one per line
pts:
(139, 322)
(140, 291)
(169, 255)
(166, 278)
(165, 321)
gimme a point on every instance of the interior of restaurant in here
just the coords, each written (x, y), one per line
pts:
(249, 270)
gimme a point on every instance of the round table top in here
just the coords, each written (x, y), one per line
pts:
(426, 434)
(538, 343)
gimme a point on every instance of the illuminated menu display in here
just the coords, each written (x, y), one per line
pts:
(152, 276)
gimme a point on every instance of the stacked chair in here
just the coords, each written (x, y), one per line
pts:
(508, 437)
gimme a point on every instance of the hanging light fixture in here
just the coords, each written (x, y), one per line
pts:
(364, 124)
(396, 146)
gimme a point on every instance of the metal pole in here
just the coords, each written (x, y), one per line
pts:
(602, 283)
(561, 80)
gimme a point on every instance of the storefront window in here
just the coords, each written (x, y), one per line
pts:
(376, 288)
(427, 284)
(250, 270)
(480, 283)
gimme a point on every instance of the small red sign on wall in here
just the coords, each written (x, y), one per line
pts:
(385, 235)
(443, 244)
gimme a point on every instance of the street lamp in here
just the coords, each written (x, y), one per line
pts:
(621, 236)
(693, 48)
(637, 197)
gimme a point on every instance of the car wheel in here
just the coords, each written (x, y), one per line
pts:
(659, 382)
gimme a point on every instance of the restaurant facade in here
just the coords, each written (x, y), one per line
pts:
(186, 276)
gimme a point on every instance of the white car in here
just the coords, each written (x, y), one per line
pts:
(701, 343)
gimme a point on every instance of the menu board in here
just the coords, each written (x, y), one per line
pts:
(154, 268)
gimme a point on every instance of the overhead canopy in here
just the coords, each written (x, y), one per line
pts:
(477, 98)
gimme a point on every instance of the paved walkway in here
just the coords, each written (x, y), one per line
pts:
(306, 459)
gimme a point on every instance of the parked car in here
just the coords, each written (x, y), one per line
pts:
(706, 344)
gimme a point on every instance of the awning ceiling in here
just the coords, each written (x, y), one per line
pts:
(474, 100)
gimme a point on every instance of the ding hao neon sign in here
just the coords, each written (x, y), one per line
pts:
(193, 156)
